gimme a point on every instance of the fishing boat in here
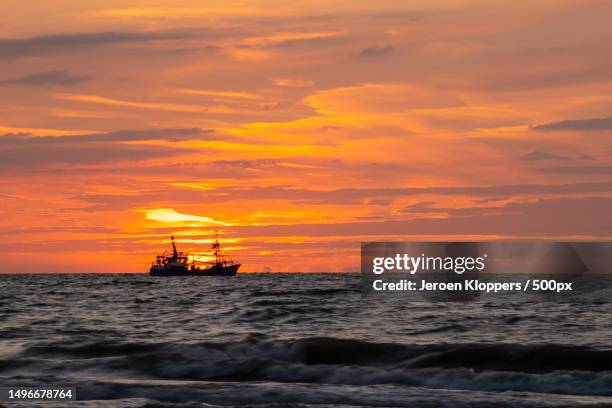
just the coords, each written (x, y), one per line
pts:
(177, 263)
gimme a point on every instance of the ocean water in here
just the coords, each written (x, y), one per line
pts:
(298, 340)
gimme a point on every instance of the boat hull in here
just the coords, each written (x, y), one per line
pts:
(215, 270)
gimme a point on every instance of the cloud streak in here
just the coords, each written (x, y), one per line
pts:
(537, 155)
(163, 106)
(592, 124)
(542, 218)
(376, 51)
(25, 151)
(173, 135)
(25, 157)
(53, 77)
(58, 43)
(221, 195)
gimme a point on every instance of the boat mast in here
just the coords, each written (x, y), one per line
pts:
(174, 251)
(216, 248)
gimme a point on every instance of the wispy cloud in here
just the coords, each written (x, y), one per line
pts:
(29, 156)
(542, 218)
(294, 39)
(579, 170)
(376, 51)
(294, 82)
(540, 155)
(49, 44)
(346, 196)
(604, 123)
(220, 94)
(173, 107)
(27, 151)
(53, 77)
(178, 134)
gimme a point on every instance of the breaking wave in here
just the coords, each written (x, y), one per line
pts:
(558, 369)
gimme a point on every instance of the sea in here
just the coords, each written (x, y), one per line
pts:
(295, 340)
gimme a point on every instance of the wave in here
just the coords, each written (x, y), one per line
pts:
(548, 368)
(265, 394)
(457, 328)
(307, 292)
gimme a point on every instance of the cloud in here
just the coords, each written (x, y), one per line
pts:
(23, 150)
(355, 195)
(540, 155)
(237, 108)
(422, 207)
(374, 99)
(564, 217)
(379, 201)
(585, 170)
(220, 94)
(50, 44)
(577, 124)
(304, 39)
(173, 135)
(247, 164)
(96, 99)
(54, 77)
(294, 82)
(338, 196)
(376, 51)
(427, 207)
(171, 216)
(27, 156)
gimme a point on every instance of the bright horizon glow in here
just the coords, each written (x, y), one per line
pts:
(171, 216)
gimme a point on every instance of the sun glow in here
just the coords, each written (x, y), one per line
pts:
(171, 216)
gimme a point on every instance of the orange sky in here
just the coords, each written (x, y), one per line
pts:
(297, 129)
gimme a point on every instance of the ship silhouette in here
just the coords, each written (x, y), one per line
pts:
(177, 263)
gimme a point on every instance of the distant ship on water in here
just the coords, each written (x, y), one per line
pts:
(177, 264)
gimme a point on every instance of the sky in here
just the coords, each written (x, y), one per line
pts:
(296, 130)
